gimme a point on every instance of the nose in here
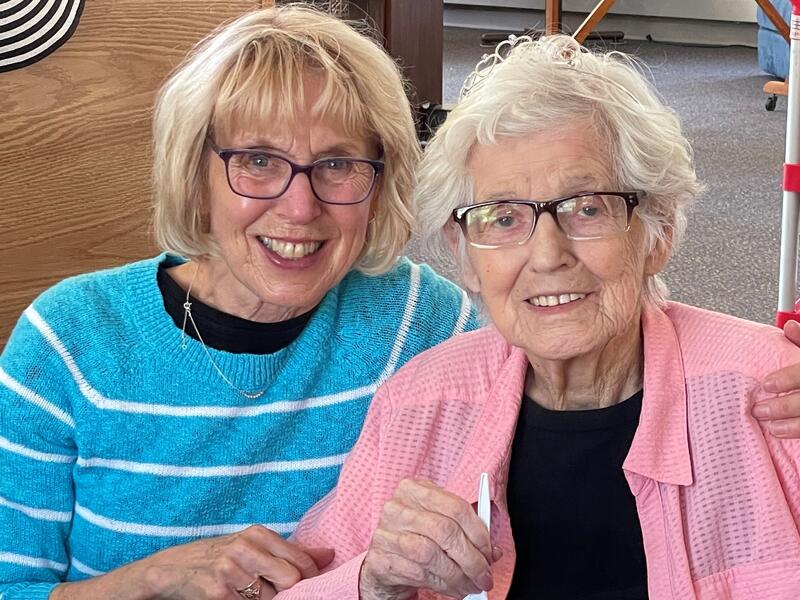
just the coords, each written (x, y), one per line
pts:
(550, 249)
(298, 204)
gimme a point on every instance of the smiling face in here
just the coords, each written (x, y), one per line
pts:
(556, 298)
(280, 257)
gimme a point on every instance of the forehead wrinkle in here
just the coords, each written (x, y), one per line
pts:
(505, 195)
(518, 188)
(511, 186)
(565, 183)
(554, 167)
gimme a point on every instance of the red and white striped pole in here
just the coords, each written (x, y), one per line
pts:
(788, 301)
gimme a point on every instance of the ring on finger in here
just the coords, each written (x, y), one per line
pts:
(252, 591)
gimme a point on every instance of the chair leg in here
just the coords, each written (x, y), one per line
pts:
(592, 20)
(775, 89)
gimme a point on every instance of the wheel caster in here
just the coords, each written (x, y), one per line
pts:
(771, 102)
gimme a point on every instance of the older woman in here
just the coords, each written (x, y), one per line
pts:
(615, 426)
(150, 414)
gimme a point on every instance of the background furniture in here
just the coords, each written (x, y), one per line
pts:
(553, 18)
(772, 17)
(773, 49)
(553, 24)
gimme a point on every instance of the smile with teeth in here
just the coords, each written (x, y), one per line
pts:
(555, 300)
(290, 250)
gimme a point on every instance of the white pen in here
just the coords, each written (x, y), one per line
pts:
(485, 515)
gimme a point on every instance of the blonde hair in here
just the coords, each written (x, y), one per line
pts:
(550, 84)
(251, 70)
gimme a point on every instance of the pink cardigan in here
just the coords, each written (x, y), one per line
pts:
(718, 498)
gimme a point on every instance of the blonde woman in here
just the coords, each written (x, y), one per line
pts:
(163, 425)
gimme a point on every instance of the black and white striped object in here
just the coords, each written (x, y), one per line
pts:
(32, 29)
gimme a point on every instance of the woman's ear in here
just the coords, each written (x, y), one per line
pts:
(460, 256)
(659, 256)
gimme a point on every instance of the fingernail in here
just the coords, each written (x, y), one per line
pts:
(770, 384)
(761, 410)
(485, 581)
(497, 553)
(778, 429)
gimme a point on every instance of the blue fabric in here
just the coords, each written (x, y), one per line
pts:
(116, 443)
(784, 7)
(773, 50)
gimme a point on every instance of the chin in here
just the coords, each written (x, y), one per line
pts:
(566, 349)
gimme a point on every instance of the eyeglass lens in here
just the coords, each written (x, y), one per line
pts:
(335, 180)
(584, 217)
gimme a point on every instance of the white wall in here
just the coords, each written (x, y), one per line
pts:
(718, 10)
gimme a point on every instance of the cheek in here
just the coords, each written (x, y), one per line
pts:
(352, 222)
(497, 279)
(622, 287)
(232, 216)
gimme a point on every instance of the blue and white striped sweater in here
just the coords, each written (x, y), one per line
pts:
(116, 443)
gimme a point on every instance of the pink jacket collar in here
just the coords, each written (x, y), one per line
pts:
(660, 448)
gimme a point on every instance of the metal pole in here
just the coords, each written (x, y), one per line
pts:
(787, 289)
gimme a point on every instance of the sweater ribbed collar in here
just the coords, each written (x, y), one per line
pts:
(143, 300)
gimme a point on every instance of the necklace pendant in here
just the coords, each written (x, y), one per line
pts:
(187, 317)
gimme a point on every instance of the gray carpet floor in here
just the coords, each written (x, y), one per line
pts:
(729, 259)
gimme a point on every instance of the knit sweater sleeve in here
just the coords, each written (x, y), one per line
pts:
(345, 519)
(37, 456)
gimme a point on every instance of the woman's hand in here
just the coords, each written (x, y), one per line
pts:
(208, 569)
(783, 414)
(215, 568)
(427, 538)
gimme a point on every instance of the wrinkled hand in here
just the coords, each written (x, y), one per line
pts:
(783, 413)
(213, 569)
(427, 538)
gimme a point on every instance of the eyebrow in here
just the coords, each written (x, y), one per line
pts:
(583, 183)
(501, 196)
(341, 148)
(338, 149)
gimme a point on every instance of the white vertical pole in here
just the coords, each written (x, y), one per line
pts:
(787, 289)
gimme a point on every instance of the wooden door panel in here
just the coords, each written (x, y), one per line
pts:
(413, 32)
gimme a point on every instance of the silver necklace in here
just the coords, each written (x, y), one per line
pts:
(187, 316)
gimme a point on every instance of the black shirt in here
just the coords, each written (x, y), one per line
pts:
(573, 517)
(229, 333)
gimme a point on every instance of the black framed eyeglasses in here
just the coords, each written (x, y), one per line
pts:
(584, 216)
(262, 175)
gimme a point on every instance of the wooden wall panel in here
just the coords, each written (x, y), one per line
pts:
(74, 142)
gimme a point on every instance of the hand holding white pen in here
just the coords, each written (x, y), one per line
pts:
(428, 538)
